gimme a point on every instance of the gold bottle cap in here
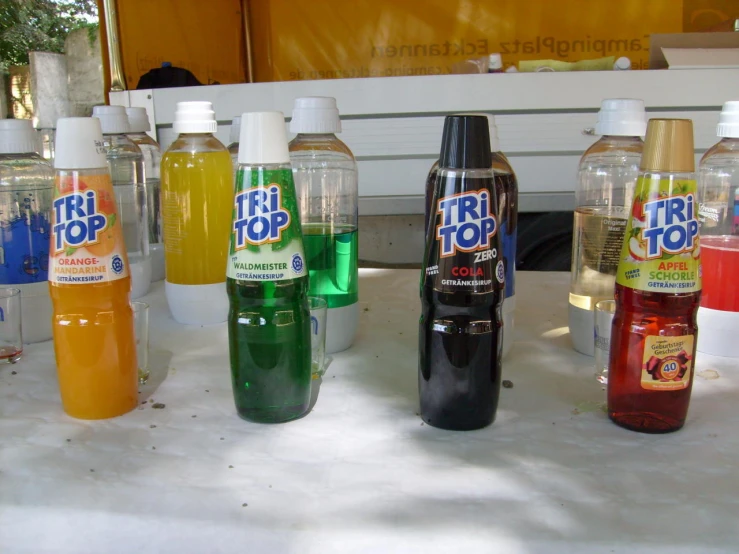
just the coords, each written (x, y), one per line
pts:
(668, 146)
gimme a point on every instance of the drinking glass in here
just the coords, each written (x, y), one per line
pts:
(11, 338)
(318, 312)
(604, 311)
(141, 330)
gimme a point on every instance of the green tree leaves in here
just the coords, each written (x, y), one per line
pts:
(27, 25)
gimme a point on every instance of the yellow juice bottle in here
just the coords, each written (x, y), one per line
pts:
(196, 203)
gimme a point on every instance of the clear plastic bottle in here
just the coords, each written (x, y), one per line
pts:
(233, 142)
(47, 138)
(605, 189)
(718, 194)
(126, 164)
(326, 182)
(197, 205)
(139, 126)
(26, 195)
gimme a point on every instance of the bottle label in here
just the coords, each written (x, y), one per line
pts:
(667, 362)
(661, 250)
(467, 223)
(86, 236)
(266, 243)
(466, 245)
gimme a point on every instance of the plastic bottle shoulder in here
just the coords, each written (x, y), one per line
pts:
(328, 147)
(24, 167)
(196, 143)
(120, 146)
(609, 151)
(501, 163)
(722, 154)
(142, 139)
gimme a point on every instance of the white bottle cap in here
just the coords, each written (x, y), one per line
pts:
(194, 117)
(138, 120)
(622, 64)
(622, 117)
(79, 144)
(315, 114)
(263, 139)
(728, 121)
(113, 119)
(495, 62)
(17, 136)
(233, 135)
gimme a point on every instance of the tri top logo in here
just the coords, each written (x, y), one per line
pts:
(467, 223)
(670, 226)
(260, 217)
(78, 221)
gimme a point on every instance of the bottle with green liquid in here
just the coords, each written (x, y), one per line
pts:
(326, 182)
(267, 280)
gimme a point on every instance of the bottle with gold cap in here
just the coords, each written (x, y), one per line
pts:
(658, 286)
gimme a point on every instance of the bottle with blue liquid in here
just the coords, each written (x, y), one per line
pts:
(26, 194)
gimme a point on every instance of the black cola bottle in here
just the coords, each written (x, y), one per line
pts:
(462, 285)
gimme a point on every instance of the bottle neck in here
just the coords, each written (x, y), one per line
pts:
(621, 139)
(195, 135)
(730, 141)
(316, 136)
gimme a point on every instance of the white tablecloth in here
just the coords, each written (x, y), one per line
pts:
(361, 472)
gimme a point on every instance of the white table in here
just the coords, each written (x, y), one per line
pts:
(362, 473)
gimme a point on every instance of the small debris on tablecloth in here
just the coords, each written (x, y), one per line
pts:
(230, 467)
(14, 373)
(153, 447)
(194, 415)
(158, 406)
(69, 440)
(244, 505)
(222, 438)
(507, 384)
(152, 426)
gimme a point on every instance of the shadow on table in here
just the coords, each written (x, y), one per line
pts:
(158, 370)
(565, 478)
